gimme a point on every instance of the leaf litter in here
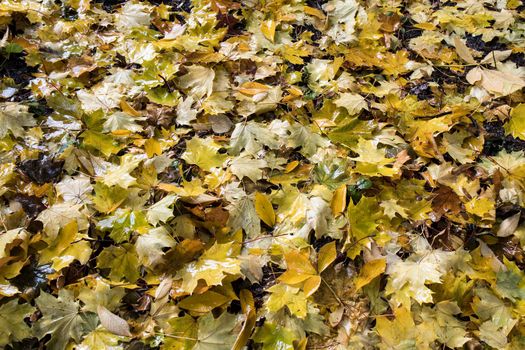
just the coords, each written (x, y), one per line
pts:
(282, 174)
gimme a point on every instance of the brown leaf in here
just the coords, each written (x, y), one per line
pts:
(446, 201)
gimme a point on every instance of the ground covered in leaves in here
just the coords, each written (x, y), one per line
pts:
(281, 174)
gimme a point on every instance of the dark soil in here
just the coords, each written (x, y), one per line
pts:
(41, 170)
(476, 43)
(318, 4)
(109, 5)
(14, 66)
(496, 140)
(422, 91)
(32, 205)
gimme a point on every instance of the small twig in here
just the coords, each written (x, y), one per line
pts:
(333, 292)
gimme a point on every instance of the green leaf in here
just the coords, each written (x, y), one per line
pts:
(181, 334)
(13, 48)
(122, 261)
(100, 338)
(363, 218)
(216, 333)
(12, 325)
(105, 144)
(123, 224)
(62, 318)
(273, 337)
(203, 153)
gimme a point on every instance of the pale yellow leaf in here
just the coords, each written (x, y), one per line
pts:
(463, 51)
(112, 322)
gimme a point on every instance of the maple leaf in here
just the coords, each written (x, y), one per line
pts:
(251, 137)
(244, 215)
(517, 121)
(287, 296)
(309, 141)
(245, 166)
(182, 333)
(353, 103)
(13, 328)
(203, 153)
(362, 218)
(120, 174)
(123, 223)
(492, 335)
(122, 121)
(161, 211)
(185, 114)
(342, 15)
(107, 198)
(195, 150)
(150, 246)
(446, 201)
(133, 14)
(100, 338)
(122, 261)
(75, 189)
(61, 214)
(14, 117)
(216, 333)
(61, 318)
(212, 267)
(448, 329)
(372, 160)
(408, 278)
(399, 333)
(66, 247)
(494, 81)
(199, 81)
(97, 291)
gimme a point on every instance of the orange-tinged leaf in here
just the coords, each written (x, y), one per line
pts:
(291, 166)
(264, 209)
(299, 268)
(370, 270)
(338, 204)
(314, 12)
(252, 88)
(327, 255)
